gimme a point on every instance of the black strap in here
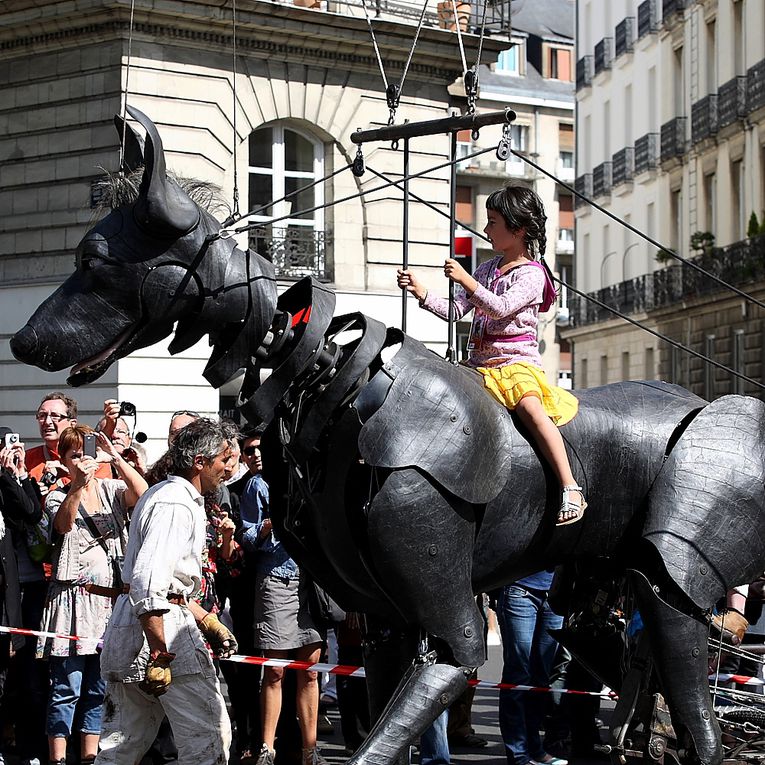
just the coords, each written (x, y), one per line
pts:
(98, 537)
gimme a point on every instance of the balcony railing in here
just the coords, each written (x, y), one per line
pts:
(584, 72)
(755, 87)
(604, 54)
(669, 7)
(647, 21)
(673, 138)
(497, 18)
(624, 36)
(731, 102)
(737, 264)
(646, 153)
(623, 166)
(583, 184)
(601, 179)
(704, 118)
(295, 252)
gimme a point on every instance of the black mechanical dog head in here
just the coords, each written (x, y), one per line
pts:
(151, 262)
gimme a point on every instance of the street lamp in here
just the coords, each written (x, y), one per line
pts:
(624, 258)
(602, 264)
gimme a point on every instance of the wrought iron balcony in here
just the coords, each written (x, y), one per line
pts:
(646, 153)
(604, 54)
(497, 18)
(704, 118)
(583, 184)
(601, 179)
(624, 36)
(623, 166)
(731, 102)
(737, 264)
(647, 21)
(755, 87)
(584, 72)
(669, 7)
(295, 252)
(673, 138)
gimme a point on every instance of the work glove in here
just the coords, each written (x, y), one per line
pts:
(221, 640)
(158, 676)
(734, 628)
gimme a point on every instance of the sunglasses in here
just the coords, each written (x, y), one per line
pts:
(250, 450)
(187, 412)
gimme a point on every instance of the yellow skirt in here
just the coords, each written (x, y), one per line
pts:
(510, 383)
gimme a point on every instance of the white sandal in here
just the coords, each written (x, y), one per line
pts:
(571, 511)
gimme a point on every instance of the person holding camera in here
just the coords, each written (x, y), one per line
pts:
(89, 529)
(23, 594)
(116, 429)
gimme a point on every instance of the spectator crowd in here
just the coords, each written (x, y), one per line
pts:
(89, 535)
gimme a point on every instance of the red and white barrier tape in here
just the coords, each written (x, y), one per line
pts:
(348, 671)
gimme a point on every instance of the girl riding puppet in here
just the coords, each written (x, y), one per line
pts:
(507, 294)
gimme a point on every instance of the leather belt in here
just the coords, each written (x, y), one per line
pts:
(97, 589)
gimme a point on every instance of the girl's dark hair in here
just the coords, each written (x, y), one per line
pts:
(520, 207)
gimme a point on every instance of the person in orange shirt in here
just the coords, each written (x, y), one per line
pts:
(56, 412)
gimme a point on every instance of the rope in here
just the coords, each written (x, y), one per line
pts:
(650, 240)
(357, 195)
(414, 45)
(127, 86)
(661, 336)
(235, 210)
(393, 91)
(256, 211)
(374, 44)
(459, 35)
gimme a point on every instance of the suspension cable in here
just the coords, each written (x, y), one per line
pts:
(392, 90)
(459, 35)
(357, 195)
(235, 210)
(258, 210)
(650, 240)
(661, 336)
(127, 86)
(374, 44)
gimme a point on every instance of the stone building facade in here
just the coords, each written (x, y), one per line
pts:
(278, 119)
(671, 139)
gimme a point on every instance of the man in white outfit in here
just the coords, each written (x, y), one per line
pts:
(154, 657)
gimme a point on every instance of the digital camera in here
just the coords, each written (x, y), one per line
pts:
(11, 439)
(127, 409)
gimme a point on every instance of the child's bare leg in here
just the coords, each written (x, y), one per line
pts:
(550, 442)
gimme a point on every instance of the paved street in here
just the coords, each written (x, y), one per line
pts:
(484, 722)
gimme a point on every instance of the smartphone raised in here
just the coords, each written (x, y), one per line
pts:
(89, 445)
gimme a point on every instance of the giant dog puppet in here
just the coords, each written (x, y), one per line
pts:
(408, 488)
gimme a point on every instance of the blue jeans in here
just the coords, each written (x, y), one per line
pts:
(76, 684)
(434, 744)
(529, 652)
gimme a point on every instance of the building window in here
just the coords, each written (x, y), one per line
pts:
(518, 142)
(738, 213)
(650, 368)
(282, 161)
(604, 370)
(511, 61)
(559, 64)
(710, 191)
(566, 159)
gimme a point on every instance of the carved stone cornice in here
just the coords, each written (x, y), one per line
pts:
(265, 29)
